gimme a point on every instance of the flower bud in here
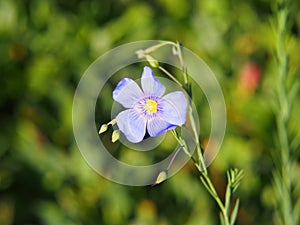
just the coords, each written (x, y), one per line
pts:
(162, 176)
(153, 62)
(115, 136)
(103, 128)
(174, 51)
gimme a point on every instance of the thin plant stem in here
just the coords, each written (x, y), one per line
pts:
(198, 147)
(147, 51)
(178, 46)
(200, 161)
(205, 179)
(204, 173)
(200, 165)
(169, 75)
(155, 47)
(174, 156)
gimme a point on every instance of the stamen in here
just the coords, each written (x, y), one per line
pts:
(151, 106)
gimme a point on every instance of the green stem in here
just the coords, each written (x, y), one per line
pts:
(169, 75)
(204, 173)
(283, 113)
(200, 165)
(155, 47)
(196, 137)
(200, 162)
(184, 147)
(178, 47)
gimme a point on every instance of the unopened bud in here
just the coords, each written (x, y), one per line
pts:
(115, 136)
(174, 51)
(162, 176)
(153, 62)
(103, 128)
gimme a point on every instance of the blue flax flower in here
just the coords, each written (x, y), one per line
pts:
(148, 108)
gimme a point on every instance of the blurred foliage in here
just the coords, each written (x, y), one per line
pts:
(45, 47)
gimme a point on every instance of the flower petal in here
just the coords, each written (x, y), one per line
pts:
(151, 86)
(132, 125)
(156, 126)
(174, 108)
(127, 93)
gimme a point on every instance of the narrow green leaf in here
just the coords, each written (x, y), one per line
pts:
(222, 219)
(293, 91)
(227, 198)
(234, 212)
(204, 182)
(232, 174)
(235, 187)
(236, 179)
(295, 142)
(296, 211)
(228, 177)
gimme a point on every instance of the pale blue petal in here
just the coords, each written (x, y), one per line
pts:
(157, 126)
(174, 108)
(151, 86)
(127, 93)
(132, 125)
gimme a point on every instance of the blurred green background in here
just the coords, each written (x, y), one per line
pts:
(45, 47)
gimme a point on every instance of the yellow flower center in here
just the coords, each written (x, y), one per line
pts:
(151, 106)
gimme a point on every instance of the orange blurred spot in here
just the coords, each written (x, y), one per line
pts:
(146, 209)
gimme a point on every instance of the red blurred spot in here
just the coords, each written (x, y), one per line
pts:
(249, 77)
